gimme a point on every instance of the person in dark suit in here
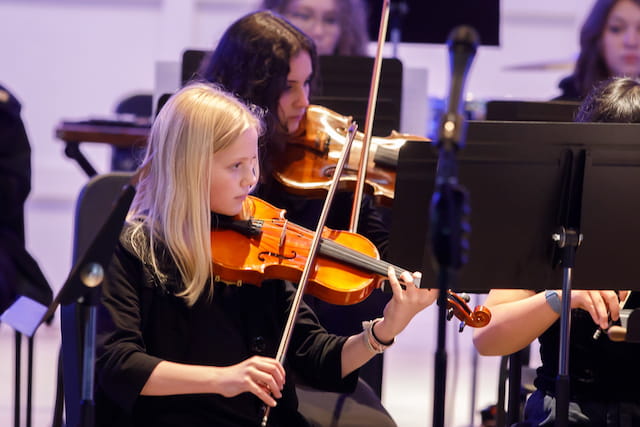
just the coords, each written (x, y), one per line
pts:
(19, 272)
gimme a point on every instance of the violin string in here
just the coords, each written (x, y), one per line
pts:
(355, 258)
(349, 256)
(341, 253)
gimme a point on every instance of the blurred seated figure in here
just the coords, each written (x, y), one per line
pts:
(609, 47)
(338, 27)
(141, 107)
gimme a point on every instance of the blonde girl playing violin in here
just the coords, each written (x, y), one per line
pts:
(177, 348)
(265, 60)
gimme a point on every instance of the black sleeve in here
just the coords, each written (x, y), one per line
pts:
(317, 355)
(123, 366)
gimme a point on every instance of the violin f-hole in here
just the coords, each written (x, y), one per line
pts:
(262, 255)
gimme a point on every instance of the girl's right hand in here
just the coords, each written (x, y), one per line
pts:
(262, 376)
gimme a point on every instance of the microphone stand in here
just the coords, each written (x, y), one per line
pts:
(397, 12)
(449, 203)
(567, 238)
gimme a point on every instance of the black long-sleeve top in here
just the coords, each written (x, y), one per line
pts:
(599, 369)
(143, 322)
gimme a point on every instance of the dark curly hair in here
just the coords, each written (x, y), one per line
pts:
(252, 61)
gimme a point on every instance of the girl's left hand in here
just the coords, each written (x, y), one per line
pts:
(404, 305)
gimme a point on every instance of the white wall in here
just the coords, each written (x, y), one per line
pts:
(76, 58)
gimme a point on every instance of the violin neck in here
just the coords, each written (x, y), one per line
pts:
(338, 252)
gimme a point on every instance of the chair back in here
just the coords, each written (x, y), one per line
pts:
(93, 206)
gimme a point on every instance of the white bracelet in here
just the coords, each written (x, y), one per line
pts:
(367, 341)
(370, 340)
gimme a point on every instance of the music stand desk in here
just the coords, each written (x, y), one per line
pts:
(123, 136)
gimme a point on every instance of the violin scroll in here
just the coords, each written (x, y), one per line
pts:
(457, 306)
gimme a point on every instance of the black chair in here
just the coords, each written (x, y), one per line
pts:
(514, 368)
(92, 208)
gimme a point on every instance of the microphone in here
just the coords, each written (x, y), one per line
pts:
(463, 42)
(450, 202)
(450, 209)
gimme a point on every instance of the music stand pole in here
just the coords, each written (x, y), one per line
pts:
(88, 303)
(397, 12)
(568, 241)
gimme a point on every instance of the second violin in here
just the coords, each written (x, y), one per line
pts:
(309, 162)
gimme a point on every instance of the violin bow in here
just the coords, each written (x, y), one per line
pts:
(368, 124)
(362, 169)
(309, 264)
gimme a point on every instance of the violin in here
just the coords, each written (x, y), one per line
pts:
(347, 268)
(307, 166)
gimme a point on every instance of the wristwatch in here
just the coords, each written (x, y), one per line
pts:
(553, 299)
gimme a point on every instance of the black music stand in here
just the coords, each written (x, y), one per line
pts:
(527, 179)
(344, 83)
(531, 111)
(342, 86)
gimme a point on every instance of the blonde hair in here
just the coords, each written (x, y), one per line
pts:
(172, 203)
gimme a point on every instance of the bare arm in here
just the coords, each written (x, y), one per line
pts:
(520, 316)
(517, 318)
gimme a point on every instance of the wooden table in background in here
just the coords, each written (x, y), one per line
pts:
(105, 132)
